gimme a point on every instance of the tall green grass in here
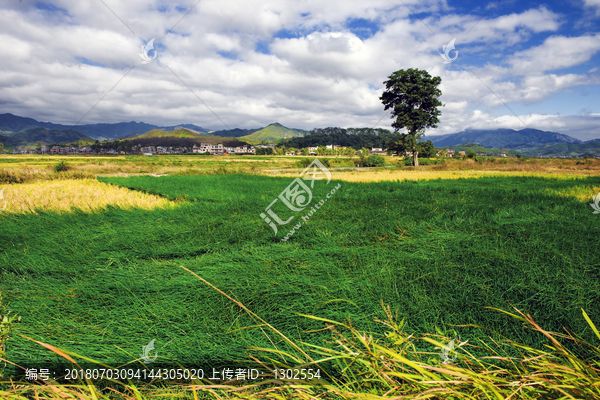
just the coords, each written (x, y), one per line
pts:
(104, 284)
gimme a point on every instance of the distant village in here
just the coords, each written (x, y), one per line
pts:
(219, 149)
(203, 148)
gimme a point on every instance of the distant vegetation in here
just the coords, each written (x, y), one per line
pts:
(356, 138)
(158, 133)
(236, 132)
(161, 138)
(477, 148)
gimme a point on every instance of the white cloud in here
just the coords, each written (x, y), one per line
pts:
(557, 52)
(594, 4)
(317, 73)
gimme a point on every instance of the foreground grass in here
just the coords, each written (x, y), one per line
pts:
(104, 283)
(364, 365)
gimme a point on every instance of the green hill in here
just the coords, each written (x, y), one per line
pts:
(157, 133)
(30, 137)
(182, 137)
(273, 133)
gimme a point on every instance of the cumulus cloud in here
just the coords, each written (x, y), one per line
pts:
(299, 63)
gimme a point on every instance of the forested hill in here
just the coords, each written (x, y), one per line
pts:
(356, 138)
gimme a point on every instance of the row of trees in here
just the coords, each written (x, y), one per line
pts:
(428, 151)
(321, 151)
(126, 145)
(356, 138)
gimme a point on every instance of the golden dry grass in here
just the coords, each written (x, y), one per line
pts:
(393, 174)
(580, 193)
(82, 194)
(583, 194)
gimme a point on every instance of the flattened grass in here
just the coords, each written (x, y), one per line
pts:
(75, 194)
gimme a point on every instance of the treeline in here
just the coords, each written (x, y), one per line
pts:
(356, 138)
(126, 145)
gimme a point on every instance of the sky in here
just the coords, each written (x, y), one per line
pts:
(223, 64)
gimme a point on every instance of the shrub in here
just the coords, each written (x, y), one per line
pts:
(61, 166)
(264, 151)
(376, 160)
(305, 162)
(423, 161)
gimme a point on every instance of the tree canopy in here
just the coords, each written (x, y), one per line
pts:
(412, 95)
(356, 138)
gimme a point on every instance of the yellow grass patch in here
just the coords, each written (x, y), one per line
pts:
(584, 194)
(393, 174)
(65, 195)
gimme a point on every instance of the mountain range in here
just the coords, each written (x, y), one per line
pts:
(532, 142)
(43, 135)
(11, 124)
(16, 131)
(504, 138)
(13, 130)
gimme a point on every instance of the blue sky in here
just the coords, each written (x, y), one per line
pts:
(233, 63)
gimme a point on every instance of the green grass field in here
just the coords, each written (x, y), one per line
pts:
(105, 284)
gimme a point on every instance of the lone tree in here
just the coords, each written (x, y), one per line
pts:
(413, 97)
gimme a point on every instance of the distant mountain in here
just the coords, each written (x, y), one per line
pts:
(590, 148)
(503, 138)
(125, 129)
(43, 135)
(273, 132)
(11, 124)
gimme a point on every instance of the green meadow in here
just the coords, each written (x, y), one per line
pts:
(106, 283)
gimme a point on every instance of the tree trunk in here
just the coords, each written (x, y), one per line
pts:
(416, 158)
